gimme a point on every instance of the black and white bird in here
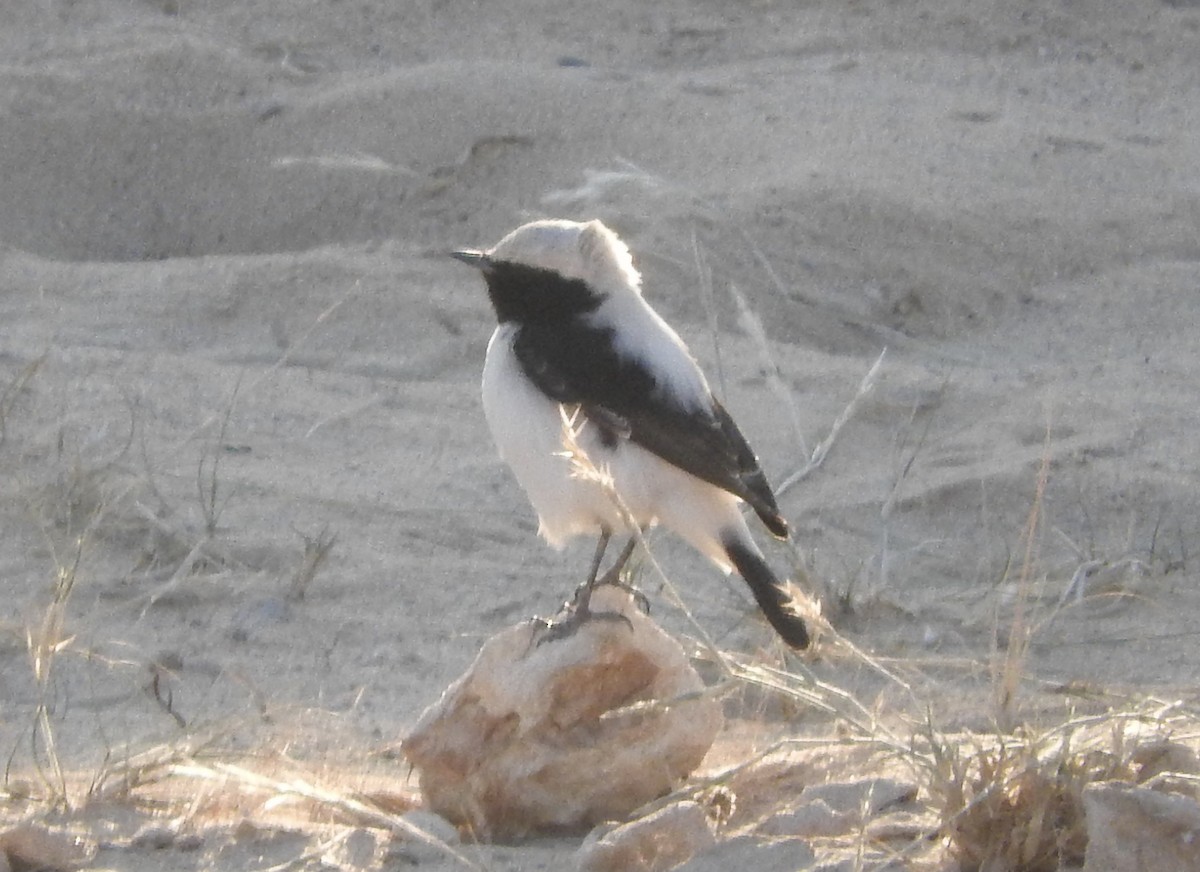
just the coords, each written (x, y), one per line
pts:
(576, 338)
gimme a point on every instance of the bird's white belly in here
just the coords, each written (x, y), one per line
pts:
(527, 427)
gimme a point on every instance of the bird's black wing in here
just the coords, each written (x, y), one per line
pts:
(575, 362)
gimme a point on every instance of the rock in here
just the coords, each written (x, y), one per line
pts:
(868, 796)
(189, 842)
(749, 853)
(809, 820)
(656, 842)
(153, 836)
(355, 851)
(1131, 829)
(837, 807)
(413, 850)
(564, 735)
(1164, 757)
(30, 846)
(902, 826)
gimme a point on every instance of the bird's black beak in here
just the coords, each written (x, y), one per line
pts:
(477, 259)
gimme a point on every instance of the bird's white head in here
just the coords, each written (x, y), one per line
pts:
(578, 250)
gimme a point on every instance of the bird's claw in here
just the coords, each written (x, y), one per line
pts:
(614, 580)
(556, 628)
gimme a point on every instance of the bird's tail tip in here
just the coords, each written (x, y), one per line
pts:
(773, 599)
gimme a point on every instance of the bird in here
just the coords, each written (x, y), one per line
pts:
(576, 341)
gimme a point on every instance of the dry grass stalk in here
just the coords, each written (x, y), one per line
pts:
(208, 485)
(316, 550)
(825, 445)
(1007, 677)
(753, 327)
(704, 281)
(14, 389)
(45, 642)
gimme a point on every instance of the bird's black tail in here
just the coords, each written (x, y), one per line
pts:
(771, 597)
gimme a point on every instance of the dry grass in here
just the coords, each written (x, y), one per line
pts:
(1015, 801)
(60, 476)
(1010, 669)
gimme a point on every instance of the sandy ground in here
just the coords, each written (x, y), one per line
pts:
(225, 307)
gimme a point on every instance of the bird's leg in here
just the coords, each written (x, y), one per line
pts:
(601, 546)
(583, 593)
(578, 609)
(613, 576)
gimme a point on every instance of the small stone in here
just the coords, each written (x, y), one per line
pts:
(748, 853)
(1130, 829)
(902, 825)
(247, 829)
(155, 837)
(567, 733)
(869, 795)
(656, 842)
(189, 842)
(809, 820)
(411, 848)
(357, 850)
(30, 846)
(169, 660)
(1162, 757)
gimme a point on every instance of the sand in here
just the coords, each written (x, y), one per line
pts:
(229, 333)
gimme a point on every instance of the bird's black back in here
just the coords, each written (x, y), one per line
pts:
(575, 361)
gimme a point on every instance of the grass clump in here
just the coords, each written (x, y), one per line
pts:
(1015, 802)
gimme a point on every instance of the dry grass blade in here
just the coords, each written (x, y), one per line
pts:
(208, 485)
(44, 643)
(752, 325)
(316, 550)
(705, 283)
(120, 777)
(1008, 674)
(823, 447)
(350, 806)
(14, 389)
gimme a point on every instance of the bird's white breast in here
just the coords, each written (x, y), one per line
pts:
(527, 427)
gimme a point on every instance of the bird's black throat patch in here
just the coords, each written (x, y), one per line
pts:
(529, 295)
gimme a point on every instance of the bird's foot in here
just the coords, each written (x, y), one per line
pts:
(572, 616)
(613, 578)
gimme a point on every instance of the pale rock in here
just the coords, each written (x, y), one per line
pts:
(1132, 829)
(31, 846)
(750, 854)
(855, 858)
(869, 795)
(156, 837)
(356, 850)
(654, 843)
(1164, 757)
(565, 734)
(837, 807)
(908, 826)
(412, 849)
(808, 820)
